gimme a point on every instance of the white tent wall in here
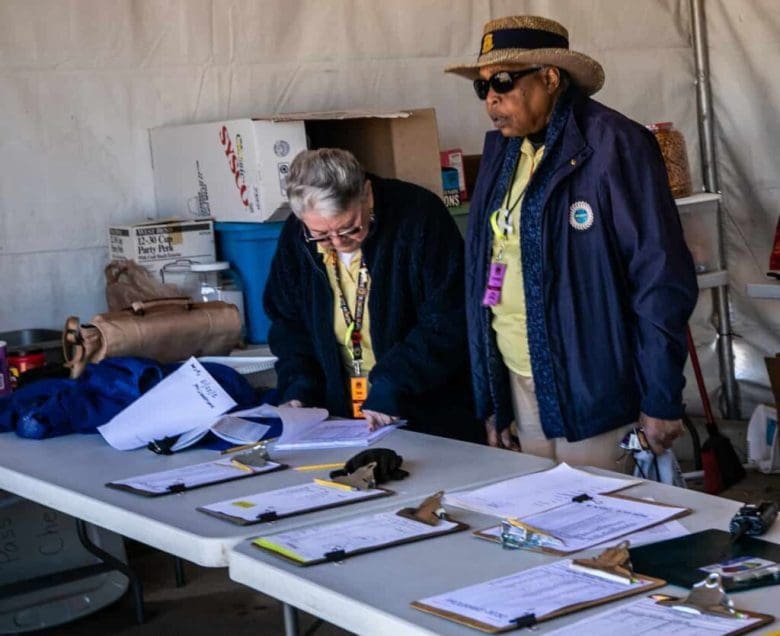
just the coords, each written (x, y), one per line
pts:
(83, 81)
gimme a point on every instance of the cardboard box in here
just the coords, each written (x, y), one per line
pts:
(230, 170)
(155, 244)
(236, 170)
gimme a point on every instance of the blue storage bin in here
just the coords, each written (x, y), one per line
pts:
(249, 248)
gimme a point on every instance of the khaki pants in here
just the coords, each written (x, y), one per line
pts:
(601, 451)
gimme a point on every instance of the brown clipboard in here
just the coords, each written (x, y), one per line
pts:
(528, 621)
(178, 488)
(265, 517)
(483, 533)
(341, 555)
(763, 619)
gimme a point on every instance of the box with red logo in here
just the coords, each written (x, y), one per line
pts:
(237, 170)
(231, 170)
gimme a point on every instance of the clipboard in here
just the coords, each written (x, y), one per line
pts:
(648, 583)
(178, 486)
(419, 516)
(271, 515)
(611, 618)
(486, 534)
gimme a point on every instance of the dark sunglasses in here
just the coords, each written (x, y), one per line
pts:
(501, 82)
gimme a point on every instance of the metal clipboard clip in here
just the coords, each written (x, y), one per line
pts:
(706, 597)
(430, 511)
(613, 564)
(362, 479)
(516, 534)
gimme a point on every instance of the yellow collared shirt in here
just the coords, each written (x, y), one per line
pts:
(509, 316)
(349, 278)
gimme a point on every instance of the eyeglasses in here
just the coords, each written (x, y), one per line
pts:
(328, 236)
(501, 82)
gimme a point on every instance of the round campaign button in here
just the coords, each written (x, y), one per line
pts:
(580, 215)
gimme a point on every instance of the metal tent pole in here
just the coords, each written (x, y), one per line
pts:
(720, 295)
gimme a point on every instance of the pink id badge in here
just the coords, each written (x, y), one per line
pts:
(496, 275)
(495, 282)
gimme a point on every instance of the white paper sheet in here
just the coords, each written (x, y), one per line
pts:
(189, 398)
(539, 591)
(313, 542)
(661, 532)
(581, 525)
(191, 476)
(286, 501)
(331, 434)
(646, 618)
(529, 494)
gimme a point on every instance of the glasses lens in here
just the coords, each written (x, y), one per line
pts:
(502, 82)
(481, 88)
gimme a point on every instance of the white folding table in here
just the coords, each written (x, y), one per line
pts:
(69, 474)
(371, 593)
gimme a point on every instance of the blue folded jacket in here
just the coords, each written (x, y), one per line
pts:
(58, 407)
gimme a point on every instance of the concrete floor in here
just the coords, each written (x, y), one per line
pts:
(211, 604)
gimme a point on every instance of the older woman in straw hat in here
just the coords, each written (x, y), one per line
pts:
(365, 297)
(579, 284)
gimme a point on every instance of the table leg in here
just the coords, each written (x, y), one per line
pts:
(178, 566)
(115, 564)
(290, 620)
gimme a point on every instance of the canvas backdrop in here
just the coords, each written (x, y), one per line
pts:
(83, 81)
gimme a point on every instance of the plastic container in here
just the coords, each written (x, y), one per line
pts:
(675, 156)
(179, 274)
(218, 281)
(36, 542)
(250, 248)
(23, 360)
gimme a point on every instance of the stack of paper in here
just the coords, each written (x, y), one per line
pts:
(536, 492)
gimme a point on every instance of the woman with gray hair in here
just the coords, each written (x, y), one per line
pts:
(365, 297)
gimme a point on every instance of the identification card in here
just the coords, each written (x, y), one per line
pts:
(358, 391)
(495, 282)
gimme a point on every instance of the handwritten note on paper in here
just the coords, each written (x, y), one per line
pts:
(539, 591)
(189, 398)
(536, 492)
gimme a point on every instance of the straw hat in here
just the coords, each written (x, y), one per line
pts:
(531, 40)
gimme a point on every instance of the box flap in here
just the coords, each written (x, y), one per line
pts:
(338, 114)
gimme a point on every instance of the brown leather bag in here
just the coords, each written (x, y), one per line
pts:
(166, 330)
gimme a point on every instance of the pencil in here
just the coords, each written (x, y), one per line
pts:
(319, 466)
(333, 484)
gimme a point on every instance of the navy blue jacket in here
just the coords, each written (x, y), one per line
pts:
(607, 301)
(414, 255)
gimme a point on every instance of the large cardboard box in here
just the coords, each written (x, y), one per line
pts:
(155, 244)
(236, 170)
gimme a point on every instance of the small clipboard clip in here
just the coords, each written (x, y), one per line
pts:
(706, 597)
(613, 564)
(362, 479)
(516, 534)
(430, 511)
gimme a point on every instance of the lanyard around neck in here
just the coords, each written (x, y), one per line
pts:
(354, 322)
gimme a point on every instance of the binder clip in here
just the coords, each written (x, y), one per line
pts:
(613, 563)
(517, 535)
(256, 457)
(429, 512)
(706, 597)
(362, 478)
